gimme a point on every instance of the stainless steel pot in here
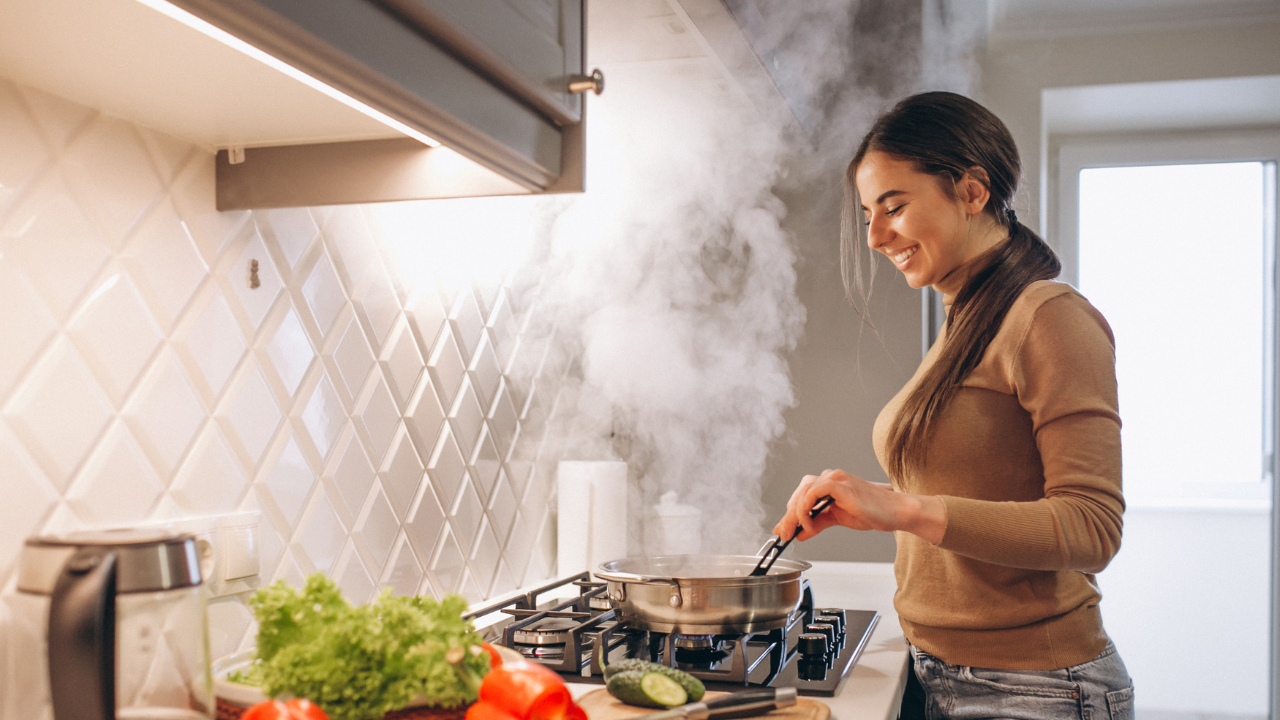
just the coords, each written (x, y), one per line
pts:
(703, 594)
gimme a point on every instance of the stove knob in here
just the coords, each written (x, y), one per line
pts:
(812, 665)
(813, 645)
(836, 612)
(826, 629)
(835, 620)
(835, 624)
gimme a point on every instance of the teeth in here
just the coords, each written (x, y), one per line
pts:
(905, 254)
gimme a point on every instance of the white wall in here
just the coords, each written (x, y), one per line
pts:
(385, 427)
(1014, 72)
(1186, 602)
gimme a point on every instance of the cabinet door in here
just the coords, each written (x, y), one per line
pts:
(530, 47)
(388, 60)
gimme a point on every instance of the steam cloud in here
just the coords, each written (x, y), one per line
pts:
(682, 285)
(668, 289)
(681, 281)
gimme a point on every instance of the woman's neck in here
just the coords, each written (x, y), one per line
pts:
(986, 238)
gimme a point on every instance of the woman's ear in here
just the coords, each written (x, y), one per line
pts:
(975, 190)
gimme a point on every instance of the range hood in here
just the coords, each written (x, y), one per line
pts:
(312, 102)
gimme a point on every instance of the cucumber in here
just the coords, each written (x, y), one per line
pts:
(647, 689)
(629, 665)
(692, 685)
(663, 690)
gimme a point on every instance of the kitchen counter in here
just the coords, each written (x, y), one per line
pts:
(874, 688)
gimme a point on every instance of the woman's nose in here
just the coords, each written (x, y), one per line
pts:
(877, 233)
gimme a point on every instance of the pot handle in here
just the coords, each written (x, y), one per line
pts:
(675, 600)
(623, 577)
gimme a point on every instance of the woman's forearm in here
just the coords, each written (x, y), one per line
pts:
(923, 515)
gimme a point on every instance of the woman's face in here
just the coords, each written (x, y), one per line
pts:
(922, 228)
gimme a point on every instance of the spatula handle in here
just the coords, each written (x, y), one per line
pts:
(770, 553)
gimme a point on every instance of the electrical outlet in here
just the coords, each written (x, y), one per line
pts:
(240, 552)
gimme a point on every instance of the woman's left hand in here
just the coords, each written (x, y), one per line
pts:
(860, 505)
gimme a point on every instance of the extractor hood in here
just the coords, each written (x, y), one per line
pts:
(312, 102)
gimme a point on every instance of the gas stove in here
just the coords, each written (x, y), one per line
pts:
(814, 653)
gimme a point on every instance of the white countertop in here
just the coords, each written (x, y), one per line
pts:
(874, 688)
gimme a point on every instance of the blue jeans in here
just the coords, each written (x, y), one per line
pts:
(1099, 689)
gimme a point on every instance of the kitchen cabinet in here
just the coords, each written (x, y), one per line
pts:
(528, 44)
(489, 80)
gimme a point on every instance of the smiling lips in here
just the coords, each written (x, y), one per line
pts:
(902, 256)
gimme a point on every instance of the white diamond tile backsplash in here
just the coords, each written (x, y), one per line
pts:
(163, 359)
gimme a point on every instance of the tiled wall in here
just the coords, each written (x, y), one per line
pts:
(379, 424)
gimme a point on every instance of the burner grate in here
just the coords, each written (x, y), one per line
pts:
(578, 636)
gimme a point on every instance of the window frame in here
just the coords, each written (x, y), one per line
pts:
(1071, 155)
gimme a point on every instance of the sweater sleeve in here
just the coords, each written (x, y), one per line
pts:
(1063, 373)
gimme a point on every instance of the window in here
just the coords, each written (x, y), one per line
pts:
(1175, 245)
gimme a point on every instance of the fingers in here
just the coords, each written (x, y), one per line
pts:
(814, 492)
(781, 529)
(858, 504)
(818, 524)
(786, 527)
(840, 486)
(812, 488)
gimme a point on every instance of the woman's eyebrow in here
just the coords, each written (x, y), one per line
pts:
(885, 196)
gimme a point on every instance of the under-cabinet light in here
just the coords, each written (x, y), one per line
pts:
(232, 41)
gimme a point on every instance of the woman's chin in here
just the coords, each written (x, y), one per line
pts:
(916, 281)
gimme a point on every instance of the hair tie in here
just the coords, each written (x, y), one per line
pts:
(1013, 217)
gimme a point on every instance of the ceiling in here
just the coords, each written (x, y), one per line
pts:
(1032, 19)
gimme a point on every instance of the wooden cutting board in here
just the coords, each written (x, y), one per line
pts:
(600, 705)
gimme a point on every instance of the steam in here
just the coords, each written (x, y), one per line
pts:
(680, 283)
(666, 294)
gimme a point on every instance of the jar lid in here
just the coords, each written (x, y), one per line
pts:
(147, 560)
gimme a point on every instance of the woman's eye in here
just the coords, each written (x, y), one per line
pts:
(894, 211)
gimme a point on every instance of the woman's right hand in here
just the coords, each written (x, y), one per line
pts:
(860, 505)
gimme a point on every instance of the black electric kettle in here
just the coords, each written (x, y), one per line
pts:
(116, 628)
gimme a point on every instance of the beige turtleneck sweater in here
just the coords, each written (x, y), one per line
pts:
(1026, 458)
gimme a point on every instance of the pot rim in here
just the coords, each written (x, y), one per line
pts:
(612, 572)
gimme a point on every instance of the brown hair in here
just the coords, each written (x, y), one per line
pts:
(946, 135)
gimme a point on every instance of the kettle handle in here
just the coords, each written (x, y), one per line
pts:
(82, 637)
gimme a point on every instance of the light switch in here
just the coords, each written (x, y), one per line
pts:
(240, 551)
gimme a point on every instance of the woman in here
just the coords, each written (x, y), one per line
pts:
(1003, 448)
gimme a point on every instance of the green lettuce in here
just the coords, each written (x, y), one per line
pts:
(358, 663)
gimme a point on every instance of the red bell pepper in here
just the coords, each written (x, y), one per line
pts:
(528, 691)
(485, 710)
(295, 709)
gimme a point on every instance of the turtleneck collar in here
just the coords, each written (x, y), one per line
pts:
(955, 280)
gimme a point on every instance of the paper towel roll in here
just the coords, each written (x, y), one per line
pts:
(592, 514)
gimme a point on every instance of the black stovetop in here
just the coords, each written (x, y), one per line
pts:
(568, 636)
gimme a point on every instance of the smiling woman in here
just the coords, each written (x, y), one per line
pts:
(929, 226)
(1003, 449)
